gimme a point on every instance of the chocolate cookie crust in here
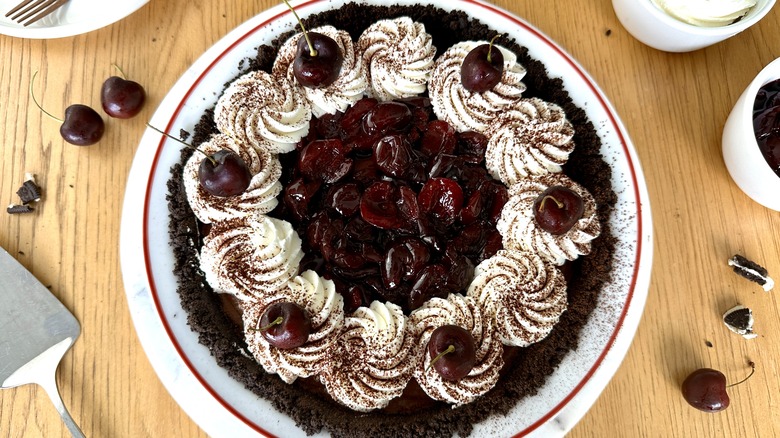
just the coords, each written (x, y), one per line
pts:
(527, 368)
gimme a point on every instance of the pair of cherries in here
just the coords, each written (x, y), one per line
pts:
(286, 326)
(83, 126)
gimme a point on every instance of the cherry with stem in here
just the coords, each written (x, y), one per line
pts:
(82, 125)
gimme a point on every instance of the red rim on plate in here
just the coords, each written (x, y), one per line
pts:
(494, 10)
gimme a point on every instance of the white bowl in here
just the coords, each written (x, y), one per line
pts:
(744, 160)
(221, 405)
(654, 27)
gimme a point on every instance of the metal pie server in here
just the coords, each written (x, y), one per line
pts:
(35, 332)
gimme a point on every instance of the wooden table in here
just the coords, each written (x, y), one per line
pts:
(674, 106)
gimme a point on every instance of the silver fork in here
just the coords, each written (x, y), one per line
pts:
(29, 11)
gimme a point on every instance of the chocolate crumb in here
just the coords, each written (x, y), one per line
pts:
(708, 343)
(739, 319)
(29, 192)
(608, 32)
(19, 209)
(752, 271)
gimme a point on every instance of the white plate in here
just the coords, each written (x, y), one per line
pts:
(223, 407)
(73, 18)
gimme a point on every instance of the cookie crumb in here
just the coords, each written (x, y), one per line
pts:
(739, 319)
(29, 191)
(608, 32)
(708, 343)
(19, 209)
(752, 271)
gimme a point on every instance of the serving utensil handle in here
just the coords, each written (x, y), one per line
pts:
(50, 386)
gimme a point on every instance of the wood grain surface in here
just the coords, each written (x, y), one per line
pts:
(674, 107)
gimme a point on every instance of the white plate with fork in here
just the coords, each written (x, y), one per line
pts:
(73, 18)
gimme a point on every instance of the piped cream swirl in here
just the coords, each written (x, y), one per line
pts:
(373, 360)
(259, 106)
(520, 231)
(467, 314)
(259, 197)
(467, 110)
(250, 257)
(325, 308)
(525, 294)
(347, 89)
(533, 138)
(399, 55)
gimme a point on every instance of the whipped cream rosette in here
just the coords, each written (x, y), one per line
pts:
(259, 107)
(520, 230)
(532, 138)
(466, 313)
(259, 197)
(250, 257)
(399, 55)
(325, 308)
(525, 294)
(467, 110)
(373, 360)
(347, 89)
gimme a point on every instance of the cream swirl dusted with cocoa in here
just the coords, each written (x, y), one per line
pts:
(521, 231)
(349, 86)
(525, 294)
(373, 360)
(250, 256)
(466, 313)
(325, 308)
(260, 106)
(259, 197)
(532, 138)
(399, 55)
(467, 110)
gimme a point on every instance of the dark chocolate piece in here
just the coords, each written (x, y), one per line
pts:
(752, 271)
(19, 209)
(739, 319)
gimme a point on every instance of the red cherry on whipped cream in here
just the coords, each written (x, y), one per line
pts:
(285, 325)
(557, 209)
(482, 68)
(453, 351)
(224, 174)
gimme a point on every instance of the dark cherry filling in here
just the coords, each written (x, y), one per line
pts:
(766, 123)
(391, 204)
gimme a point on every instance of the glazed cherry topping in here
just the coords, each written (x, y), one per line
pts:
(391, 204)
(285, 325)
(224, 174)
(482, 68)
(766, 123)
(452, 351)
(557, 209)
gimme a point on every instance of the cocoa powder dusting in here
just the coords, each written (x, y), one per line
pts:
(527, 368)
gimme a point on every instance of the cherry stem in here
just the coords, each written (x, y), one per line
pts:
(490, 48)
(450, 349)
(312, 50)
(752, 371)
(557, 202)
(122, 72)
(32, 81)
(209, 157)
(277, 321)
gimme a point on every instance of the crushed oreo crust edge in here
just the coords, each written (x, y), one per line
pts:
(751, 271)
(528, 368)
